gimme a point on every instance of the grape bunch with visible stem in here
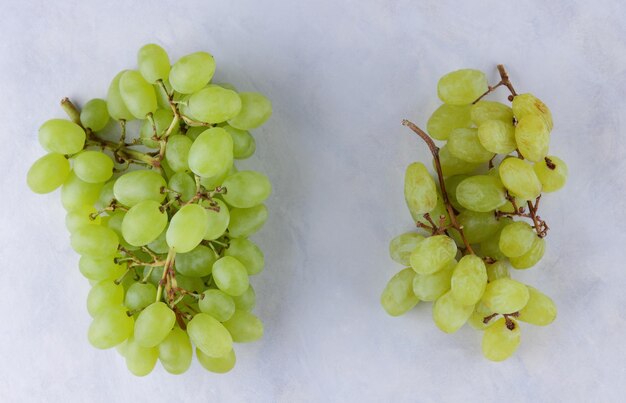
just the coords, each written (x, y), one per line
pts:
(480, 217)
(161, 218)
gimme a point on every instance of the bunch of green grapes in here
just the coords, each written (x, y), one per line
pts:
(162, 221)
(480, 218)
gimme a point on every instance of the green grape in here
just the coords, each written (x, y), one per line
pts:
(143, 223)
(218, 220)
(153, 63)
(447, 118)
(214, 104)
(140, 360)
(138, 95)
(482, 193)
(48, 173)
(246, 189)
(433, 254)
(110, 327)
(527, 104)
(154, 324)
(248, 253)
(246, 221)
(516, 239)
(93, 166)
(477, 319)
(106, 196)
(462, 87)
(211, 153)
(439, 210)
(519, 178)
(244, 327)
(194, 131)
(500, 342)
(196, 263)
(497, 270)
(153, 275)
(420, 192)
(398, 297)
(94, 241)
(214, 181)
(187, 227)
(162, 120)
(103, 295)
(139, 296)
(255, 110)
(451, 165)
(195, 284)
(244, 144)
(76, 193)
(209, 335)
(469, 280)
(218, 304)
(245, 301)
(115, 104)
(115, 221)
(400, 247)
(177, 152)
(95, 115)
(532, 257)
(183, 184)
(483, 111)
(540, 309)
(478, 226)
(532, 137)
(175, 352)
(192, 72)
(160, 245)
(490, 247)
(449, 315)
(452, 182)
(219, 365)
(100, 268)
(505, 296)
(137, 186)
(429, 287)
(497, 136)
(552, 173)
(61, 136)
(465, 145)
(230, 276)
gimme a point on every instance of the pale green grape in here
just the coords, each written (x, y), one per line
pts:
(490, 247)
(61, 136)
(433, 254)
(196, 263)
(540, 309)
(94, 241)
(244, 144)
(143, 223)
(209, 335)
(177, 152)
(439, 210)
(478, 226)
(103, 295)
(420, 192)
(218, 220)
(140, 360)
(219, 365)
(214, 104)
(497, 136)
(48, 173)
(452, 182)
(137, 186)
(211, 153)
(400, 247)
(462, 87)
(432, 286)
(100, 268)
(248, 253)
(398, 297)
(77, 193)
(183, 184)
(93, 166)
(447, 118)
(138, 95)
(115, 104)
(482, 193)
(115, 221)
(160, 245)
(469, 280)
(516, 239)
(187, 228)
(500, 342)
(552, 176)
(194, 284)
(246, 189)
(154, 275)
(106, 196)
(162, 121)
(497, 270)
(532, 137)
(246, 301)
(194, 131)
(450, 315)
(464, 144)
(519, 178)
(244, 327)
(192, 72)
(218, 304)
(255, 110)
(216, 180)
(110, 327)
(246, 221)
(139, 296)
(483, 111)
(477, 319)
(95, 115)
(230, 276)
(527, 104)
(451, 165)
(532, 257)
(154, 324)
(153, 62)
(176, 352)
(505, 295)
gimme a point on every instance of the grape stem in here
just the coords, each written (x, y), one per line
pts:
(504, 81)
(434, 150)
(169, 261)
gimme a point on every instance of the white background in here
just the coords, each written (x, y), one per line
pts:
(341, 75)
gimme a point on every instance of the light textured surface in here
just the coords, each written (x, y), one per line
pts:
(341, 75)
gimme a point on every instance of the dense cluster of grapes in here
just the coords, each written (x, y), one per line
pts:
(165, 246)
(492, 169)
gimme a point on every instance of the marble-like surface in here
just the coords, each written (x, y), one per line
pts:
(341, 75)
